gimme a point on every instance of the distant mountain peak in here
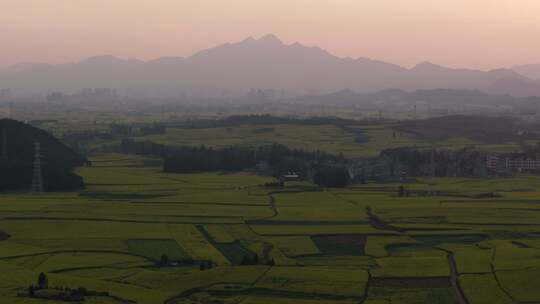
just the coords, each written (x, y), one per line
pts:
(248, 39)
(426, 65)
(270, 38)
(531, 71)
(101, 59)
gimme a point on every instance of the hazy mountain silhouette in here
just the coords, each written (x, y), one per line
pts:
(252, 63)
(531, 71)
(515, 87)
(441, 98)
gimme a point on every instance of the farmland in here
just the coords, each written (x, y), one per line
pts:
(311, 245)
(358, 141)
(137, 234)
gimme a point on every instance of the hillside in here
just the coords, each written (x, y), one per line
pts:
(16, 158)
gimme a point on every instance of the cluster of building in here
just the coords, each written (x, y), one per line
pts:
(514, 162)
(84, 95)
(6, 95)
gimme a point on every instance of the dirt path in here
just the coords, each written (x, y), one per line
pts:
(492, 266)
(454, 279)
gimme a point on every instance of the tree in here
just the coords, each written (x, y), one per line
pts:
(43, 282)
(82, 291)
(31, 290)
(332, 176)
(164, 260)
(401, 191)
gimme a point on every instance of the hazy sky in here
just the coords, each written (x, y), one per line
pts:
(462, 33)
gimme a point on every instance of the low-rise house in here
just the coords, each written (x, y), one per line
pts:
(291, 177)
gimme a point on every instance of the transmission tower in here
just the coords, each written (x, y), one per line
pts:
(37, 180)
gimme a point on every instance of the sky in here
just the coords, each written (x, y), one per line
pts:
(482, 34)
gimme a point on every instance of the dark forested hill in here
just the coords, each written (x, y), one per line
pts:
(17, 153)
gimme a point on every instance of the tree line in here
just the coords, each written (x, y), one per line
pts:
(273, 159)
(466, 162)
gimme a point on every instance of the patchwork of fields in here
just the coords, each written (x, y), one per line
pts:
(229, 239)
(353, 141)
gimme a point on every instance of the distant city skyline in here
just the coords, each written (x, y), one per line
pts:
(477, 34)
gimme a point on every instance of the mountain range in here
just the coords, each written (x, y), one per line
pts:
(232, 69)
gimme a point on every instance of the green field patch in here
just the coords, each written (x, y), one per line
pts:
(32, 261)
(510, 256)
(14, 249)
(483, 288)
(471, 258)
(292, 300)
(236, 252)
(179, 280)
(90, 244)
(418, 282)
(111, 196)
(434, 240)
(377, 245)
(413, 250)
(196, 244)
(103, 273)
(522, 284)
(262, 296)
(315, 280)
(220, 233)
(357, 261)
(278, 222)
(63, 262)
(293, 246)
(340, 244)
(328, 138)
(155, 248)
(529, 243)
(310, 230)
(388, 295)
(412, 267)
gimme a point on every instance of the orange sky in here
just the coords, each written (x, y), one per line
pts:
(461, 33)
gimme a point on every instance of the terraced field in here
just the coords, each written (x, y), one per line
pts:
(229, 239)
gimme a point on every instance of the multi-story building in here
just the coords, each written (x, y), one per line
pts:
(512, 163)
(522, 164)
